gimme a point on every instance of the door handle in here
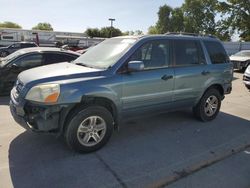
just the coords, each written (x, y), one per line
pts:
(205, 73)
(166, 77)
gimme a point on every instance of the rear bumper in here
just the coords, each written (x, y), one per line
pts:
(227, 88)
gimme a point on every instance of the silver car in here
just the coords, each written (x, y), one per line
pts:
(241, 59)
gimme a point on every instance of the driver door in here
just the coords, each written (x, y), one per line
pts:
(152, 88)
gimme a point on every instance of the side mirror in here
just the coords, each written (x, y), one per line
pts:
(135, 66)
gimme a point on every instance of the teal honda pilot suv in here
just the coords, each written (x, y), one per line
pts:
(122, 77)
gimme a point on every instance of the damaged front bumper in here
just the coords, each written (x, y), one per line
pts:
(36, 117)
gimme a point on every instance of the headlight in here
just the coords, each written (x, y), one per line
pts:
(48, 93)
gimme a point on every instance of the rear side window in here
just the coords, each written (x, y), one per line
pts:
(58, 57)
(29, 61)
(216, 52)
(188, 52)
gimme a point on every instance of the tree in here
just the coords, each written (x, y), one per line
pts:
(177, 20)
(169, 20)
(8, 24)
(105, 32)
(43, 26)
(199, 16)
(152, 30)
(237, 16)
(93, 32)
(136, 32)
(163, 24)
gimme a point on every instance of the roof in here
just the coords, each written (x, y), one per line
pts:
(46, 49)
(171, 36)
(25, 42)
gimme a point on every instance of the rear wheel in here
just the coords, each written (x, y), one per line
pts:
(209, 105)
(89, 129)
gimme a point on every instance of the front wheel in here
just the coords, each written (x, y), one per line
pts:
(209, 105)
(89, 129)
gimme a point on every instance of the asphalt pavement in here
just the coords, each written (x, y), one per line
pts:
(166, 150)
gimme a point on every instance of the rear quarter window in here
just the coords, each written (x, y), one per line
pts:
(216, 52)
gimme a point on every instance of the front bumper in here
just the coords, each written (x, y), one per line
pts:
(240, 64)
(246, 81)
(33, 117)
(15, 112)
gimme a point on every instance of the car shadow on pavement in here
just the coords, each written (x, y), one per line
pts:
(137, 153)
(4, 100)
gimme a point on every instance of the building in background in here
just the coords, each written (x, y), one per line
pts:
(46, 38)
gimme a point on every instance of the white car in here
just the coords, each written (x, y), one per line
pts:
(241, 59)
(246, 77)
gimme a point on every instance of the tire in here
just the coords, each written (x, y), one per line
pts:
(209, 105)
(3, 54)
(89, 129)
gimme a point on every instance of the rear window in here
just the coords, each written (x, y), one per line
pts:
(216, 52)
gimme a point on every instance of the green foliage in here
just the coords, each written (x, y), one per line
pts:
(8, 24)
(92, 32)
(237, 16)
(169, 20)
(104, 32)
(153, 30)
(136, 32)
(163, 24)
(199, 16)
(43, 26)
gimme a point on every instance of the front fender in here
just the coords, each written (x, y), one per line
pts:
(76, 95)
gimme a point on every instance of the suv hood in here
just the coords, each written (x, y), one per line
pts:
(239, 58)
(56, 72)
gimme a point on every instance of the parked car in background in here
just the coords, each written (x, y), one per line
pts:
(27, 58)
(119, 78)
(83, 50)
(4, 51)
(241, 59)
(246, 77)
(71, 47)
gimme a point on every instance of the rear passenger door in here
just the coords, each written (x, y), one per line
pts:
(191, 72)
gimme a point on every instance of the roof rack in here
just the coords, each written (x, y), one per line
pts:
(189, 34)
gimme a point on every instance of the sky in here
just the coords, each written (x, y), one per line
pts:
(78, 15)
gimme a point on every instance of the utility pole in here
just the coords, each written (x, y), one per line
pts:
(111, 28)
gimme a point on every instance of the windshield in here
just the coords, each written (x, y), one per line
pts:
(5, 60)
(243, 53)
(105, 54)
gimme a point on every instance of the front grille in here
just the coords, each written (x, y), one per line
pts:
(237, 64)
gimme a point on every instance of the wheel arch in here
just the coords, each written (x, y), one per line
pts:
(90, 101)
